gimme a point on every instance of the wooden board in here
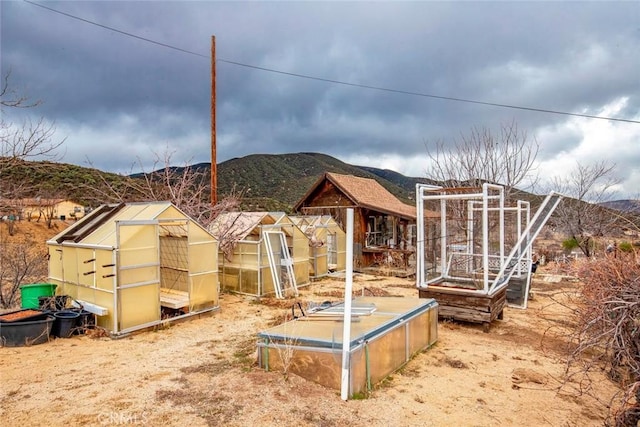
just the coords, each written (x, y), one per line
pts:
(173, 299)
(468, 308)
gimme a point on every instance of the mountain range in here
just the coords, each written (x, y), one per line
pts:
(632, 206)
(265, 181)
(287, 177)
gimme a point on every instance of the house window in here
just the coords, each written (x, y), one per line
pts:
(375, 231)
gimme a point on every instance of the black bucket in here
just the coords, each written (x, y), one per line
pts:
(64, 324)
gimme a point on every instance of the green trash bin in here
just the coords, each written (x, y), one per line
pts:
(29, 294)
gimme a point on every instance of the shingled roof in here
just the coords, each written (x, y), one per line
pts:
(367, 193)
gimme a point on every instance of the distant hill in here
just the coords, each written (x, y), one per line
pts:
(58, 180)
(268, 181)
(406, 182)
(287, 177)
(630, 206)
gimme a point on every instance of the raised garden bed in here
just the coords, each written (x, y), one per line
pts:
(22, 315)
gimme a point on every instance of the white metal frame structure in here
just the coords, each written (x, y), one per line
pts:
(519, 258)
(523, 246)
(489, 193)
(522, 211)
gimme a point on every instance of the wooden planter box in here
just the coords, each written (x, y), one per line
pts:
(461, 306)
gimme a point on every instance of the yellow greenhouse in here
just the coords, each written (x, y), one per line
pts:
(261, 253)
(327, 244)
(136, 265)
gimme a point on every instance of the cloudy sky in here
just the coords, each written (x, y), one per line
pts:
(121, 97)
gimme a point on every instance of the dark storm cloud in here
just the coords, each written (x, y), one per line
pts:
(107, 89)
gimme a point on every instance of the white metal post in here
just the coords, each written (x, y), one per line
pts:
(419, 236)
(519, 226)
(470, 236)
(485, 236)
(346, 330)
(260, 278)
(115, 256)
(528, 219)
(443, 237)
(501, 225)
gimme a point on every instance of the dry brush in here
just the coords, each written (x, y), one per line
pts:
(607, 333)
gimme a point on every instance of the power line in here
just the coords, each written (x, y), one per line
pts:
(362, 86)
(426, 95)
(116, 30)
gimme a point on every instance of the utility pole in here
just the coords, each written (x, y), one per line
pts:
(214, 164)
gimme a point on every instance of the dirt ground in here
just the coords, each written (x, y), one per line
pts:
(203, 372)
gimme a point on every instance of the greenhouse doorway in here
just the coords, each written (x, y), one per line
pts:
(280, 262)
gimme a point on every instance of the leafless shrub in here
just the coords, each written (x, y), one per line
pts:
(286, 347)
(607, 336)
(20, 261)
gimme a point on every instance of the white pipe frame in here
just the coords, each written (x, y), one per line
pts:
(528, 236)
(420, 232)
(485, 196)
(521, 206)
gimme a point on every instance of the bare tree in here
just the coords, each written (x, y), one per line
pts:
(580, 215)
(507, 159)
(20, 260)
(49, 210)
(19, 141)
(229, 230)
(186, 187)
(9, 97)
(25, 140)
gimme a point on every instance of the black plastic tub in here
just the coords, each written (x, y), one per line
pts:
(65, 323)
(25, 333)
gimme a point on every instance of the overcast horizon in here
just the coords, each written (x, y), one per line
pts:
(370, 83)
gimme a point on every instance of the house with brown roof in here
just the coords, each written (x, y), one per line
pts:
(384, 227)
